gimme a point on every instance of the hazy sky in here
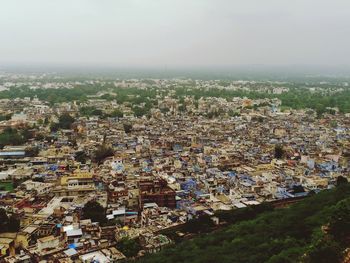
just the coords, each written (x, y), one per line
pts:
(174, 32)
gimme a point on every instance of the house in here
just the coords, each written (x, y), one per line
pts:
(48, 242)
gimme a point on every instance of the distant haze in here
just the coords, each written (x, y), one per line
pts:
(174, 33)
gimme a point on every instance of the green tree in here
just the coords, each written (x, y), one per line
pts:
(129, 247)
(325, 251)
(198, 225)
(117, 113)
(339, 226)
(94, 211)
(65, 121)
(127, 127)
(90, 111)
(139, 111)
(341, 180)
(11, 137)
(165, 110)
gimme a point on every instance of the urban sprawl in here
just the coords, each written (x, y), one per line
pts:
(100, 170)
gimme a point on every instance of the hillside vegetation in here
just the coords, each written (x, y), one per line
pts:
(315, 230)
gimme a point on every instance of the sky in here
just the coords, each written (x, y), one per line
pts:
(174, 33)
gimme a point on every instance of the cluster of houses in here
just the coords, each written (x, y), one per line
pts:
(165, 170)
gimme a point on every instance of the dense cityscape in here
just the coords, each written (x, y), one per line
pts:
(109, 170)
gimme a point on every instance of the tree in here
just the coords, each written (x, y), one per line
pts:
(279, 151)
(90, 111)
(165, 110)
(11, 137)
(182, 108)
(46, 121)
(127, 127)
(3, 220)
(325, 251)
(5, 117)
(333, 124)
(81, 157)
(32, 151)
(341, 180)
(117, 113)
(339, 226)
(13, 224)
(65, 121)
(198, 225)
(102, 152)
(129, 247)
(8, 224)
(26, 134)
(233, 113)
(298, 189)
(94, 211)
(139, 111)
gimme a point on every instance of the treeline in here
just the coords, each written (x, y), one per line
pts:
(314, 230)
(78, 93)
(81, 92)
(142, 100)
(296, 98)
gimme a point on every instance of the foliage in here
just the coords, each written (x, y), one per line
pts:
(6, 186)
(81, 157)
(5, 117)
(279, 151)
(199, 225)
(102, 152)
(339, 225)
(325, 251)
(341, 180)
(275, 235)
(8, 224)
(90, 111)
(165, 110)
(129, 247)
(64, 122)
(94, 211)
(32, 151)
(298, 189)
(127, 127)
(140, 111)
(12, 137)
(297, 97)
(117, 113)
